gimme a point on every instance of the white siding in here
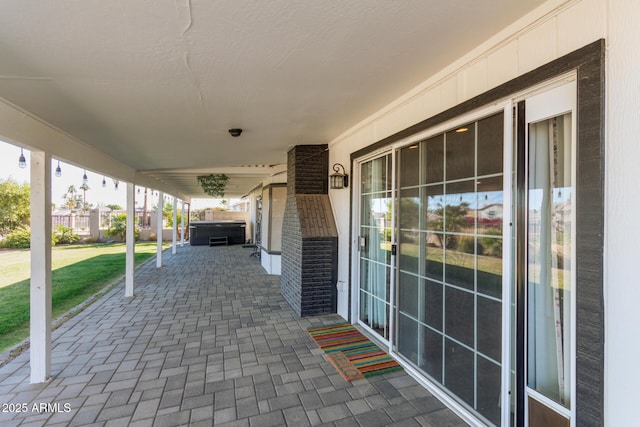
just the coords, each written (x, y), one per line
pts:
(622, 225)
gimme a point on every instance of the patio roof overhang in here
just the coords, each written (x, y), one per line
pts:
(146, 91)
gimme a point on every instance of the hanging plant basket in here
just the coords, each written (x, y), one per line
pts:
(213, 185)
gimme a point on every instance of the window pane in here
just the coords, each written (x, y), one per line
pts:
(432, 304)
(489, 270)
(460, 261)
(489, 390)
(459, 315)
(409, 250)
(431, 356)
(408, 338)
(408, 294)
(490, 143)
(410, 166)
(435, 159)
(459, 372)
(435, 207)
(490, 328)
(409, 211)
(461, 203)
(434, 256)
(549, 231)
(461, 152)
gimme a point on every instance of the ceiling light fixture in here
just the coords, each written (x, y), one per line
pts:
(104, 181)
(460, 130)
(22, 162)
(85, 178)
(235, 132)
(58, 170)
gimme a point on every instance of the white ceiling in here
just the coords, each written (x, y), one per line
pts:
(156, 84)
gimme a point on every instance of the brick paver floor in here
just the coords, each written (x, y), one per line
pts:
(207, 340)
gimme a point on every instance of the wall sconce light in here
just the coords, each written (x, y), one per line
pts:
(338, 180)
(58, 170)
(22, 162)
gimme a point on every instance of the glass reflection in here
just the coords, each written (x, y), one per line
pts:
(550, 238)
(409, 211)
(435, 207)
(460, 208)
(490, 206)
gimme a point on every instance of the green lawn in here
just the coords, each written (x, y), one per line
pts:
(79, 271)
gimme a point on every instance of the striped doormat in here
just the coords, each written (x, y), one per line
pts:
(351, 353)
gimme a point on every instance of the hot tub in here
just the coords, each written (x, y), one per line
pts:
(200, 232)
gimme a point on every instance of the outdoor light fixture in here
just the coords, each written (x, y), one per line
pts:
(58, 170)
(85, 179)
(104, 181)
(115, 182)
(338, 180)
(22, 162)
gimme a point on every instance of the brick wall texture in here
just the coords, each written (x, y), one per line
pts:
(309, 234)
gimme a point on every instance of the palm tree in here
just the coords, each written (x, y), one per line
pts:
(71, 197)
(84, 187)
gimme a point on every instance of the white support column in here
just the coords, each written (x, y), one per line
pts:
(40, 290)
(131, 241)
(182, 226)
(175, 226)
(159, 229)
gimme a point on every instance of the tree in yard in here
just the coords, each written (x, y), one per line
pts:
(14, 205)
(167, 211)
(71, 198)
(84, 187)
(115, 207)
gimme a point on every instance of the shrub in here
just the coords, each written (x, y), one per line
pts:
(119, 228)
(466, 244)
(65, 235)
(20, 238)
(491, 246)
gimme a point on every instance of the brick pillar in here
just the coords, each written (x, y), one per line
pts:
(309, 234)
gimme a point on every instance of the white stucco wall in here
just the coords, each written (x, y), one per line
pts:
(553, 30)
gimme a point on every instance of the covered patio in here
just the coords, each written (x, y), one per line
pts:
(207, 340)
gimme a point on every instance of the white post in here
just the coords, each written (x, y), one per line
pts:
(130, 238)
(182, 226)
(40, 290)
(159, 229)
(175, 226)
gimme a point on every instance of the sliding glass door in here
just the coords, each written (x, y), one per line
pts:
(374, 244)
(465, 260)
(450, 218)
